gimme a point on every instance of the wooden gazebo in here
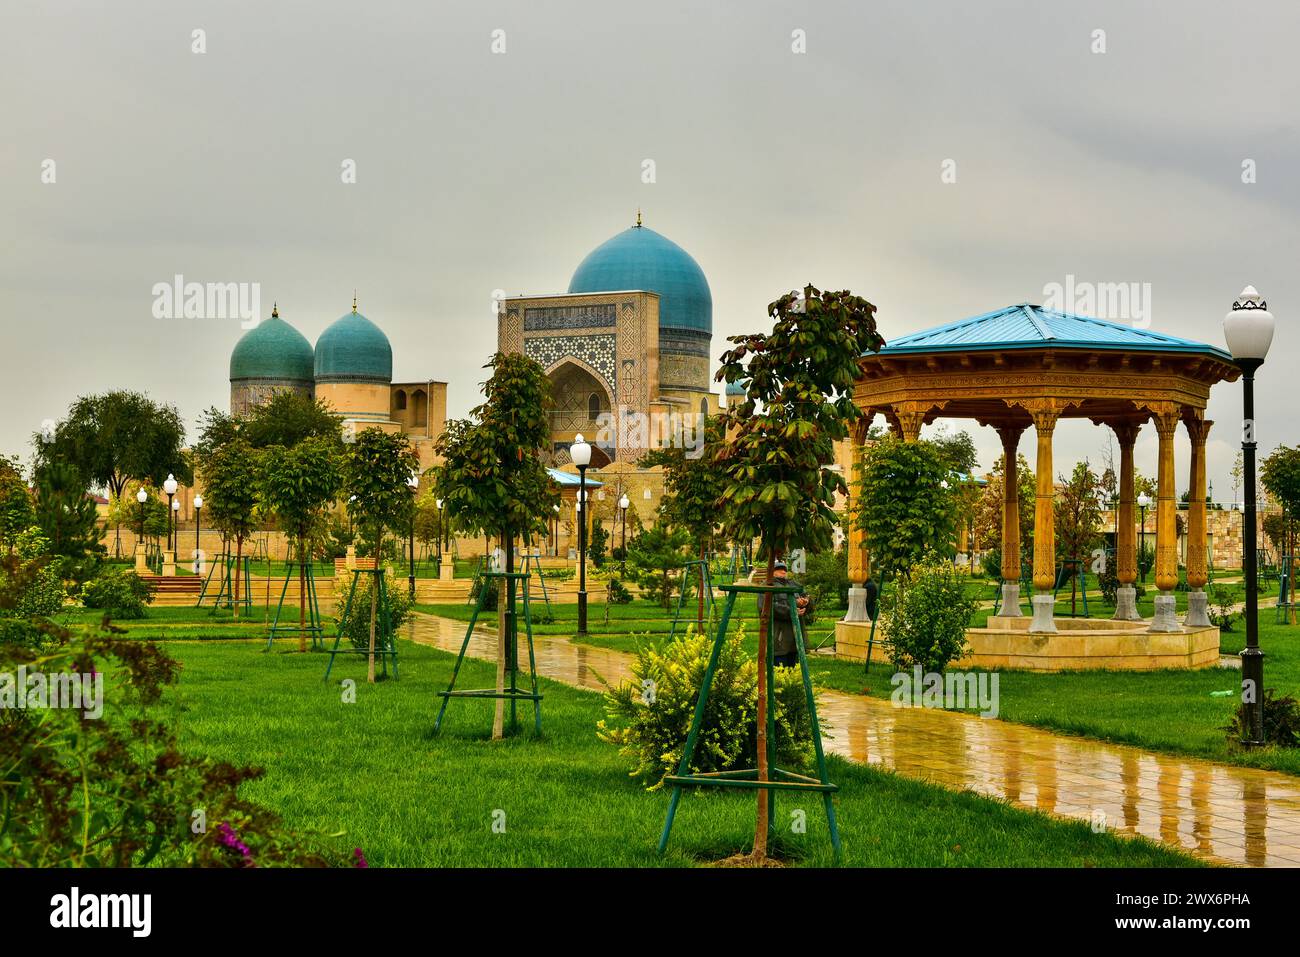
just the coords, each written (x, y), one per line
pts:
(1025, 365)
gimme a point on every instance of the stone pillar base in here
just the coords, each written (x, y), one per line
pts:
(169, 565)
(1165, 619)
(1010, 607)
(1197, 610)
(857, 605)
(141, 566)
(1126, 604)
(1044, 609)
(351, 560)
(446, 569)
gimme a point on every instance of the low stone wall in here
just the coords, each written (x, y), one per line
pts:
(1078, 644)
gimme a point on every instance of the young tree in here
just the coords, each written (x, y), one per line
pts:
(68, 519)
(779, 486)
(113, 438)
(288, 418)
(654, 556)
(16, 515)
(988, 512)
(1280, 476)
(298, 485)
(230, 478)
(376, 468)
(1078, 520)
(907, 504)
(693, 486)
(493, 479)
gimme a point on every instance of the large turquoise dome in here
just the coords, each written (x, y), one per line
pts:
(272, 350)
(354, 349)
(640, 258)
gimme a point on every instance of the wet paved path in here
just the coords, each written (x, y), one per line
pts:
(1215, 811)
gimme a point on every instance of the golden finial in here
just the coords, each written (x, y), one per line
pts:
(638, 215)
(354, 300)
(275, 310)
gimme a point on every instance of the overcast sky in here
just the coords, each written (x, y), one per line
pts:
(478, 171)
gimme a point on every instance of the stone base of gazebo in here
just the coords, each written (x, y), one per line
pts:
(1077, 644)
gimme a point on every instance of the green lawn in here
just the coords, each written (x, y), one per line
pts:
(375, 771)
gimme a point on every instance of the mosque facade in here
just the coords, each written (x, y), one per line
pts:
(627, 348)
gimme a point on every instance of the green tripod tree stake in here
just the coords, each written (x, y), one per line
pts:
(780, 779)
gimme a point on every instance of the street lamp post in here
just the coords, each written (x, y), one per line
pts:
(438, 503)
(198, 507)
(580, 453)
(623, 503)
(169, 486)
(1248, 330)
(413, 483)
(1143, 501)
(141, 496)
(176, 526)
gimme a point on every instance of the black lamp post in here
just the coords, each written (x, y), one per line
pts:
(413, 483)
(623, 503)
(1143, 501)
(169, 486)
(198, 507)
(1248, 330)
(438, 502)
(580, 453)
(141, 496)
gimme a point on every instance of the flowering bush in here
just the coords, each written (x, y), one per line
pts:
(649, 717)
(117, 790)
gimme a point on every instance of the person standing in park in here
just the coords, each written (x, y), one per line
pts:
(784, 652)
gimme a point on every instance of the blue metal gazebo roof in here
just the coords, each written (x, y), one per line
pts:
(569, 480)
(1026, 326)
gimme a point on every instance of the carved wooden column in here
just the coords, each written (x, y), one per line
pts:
(1045, 413)
(1198, 430)
(1010, 435)
(910, 421)
(1166, 418)
(1126, 568)
(859, 560)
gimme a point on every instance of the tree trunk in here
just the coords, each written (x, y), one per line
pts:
(302, 599)
(239, 553)
(699, 614)
(374, 608)
(499, 713)
(761, 825)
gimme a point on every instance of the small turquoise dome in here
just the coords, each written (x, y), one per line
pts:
(354, 349)
(640, 258)
(738, 387)
(272, 349)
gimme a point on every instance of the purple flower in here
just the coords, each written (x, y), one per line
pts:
(230, 839)
(359, 859)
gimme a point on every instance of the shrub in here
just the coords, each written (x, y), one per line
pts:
(1220, 611)
(357, 628)
(1281, 721)
(927, 623)
(991, 563)
(649, 716)
(31, 589)
(618, 593)
(120, 592)
(597, 547)
(826, 580)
